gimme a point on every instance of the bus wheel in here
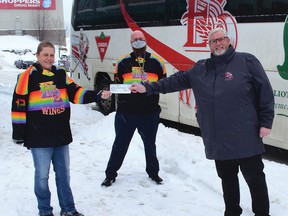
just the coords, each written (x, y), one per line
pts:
(106, 106)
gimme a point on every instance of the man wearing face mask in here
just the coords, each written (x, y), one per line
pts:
(136, 111)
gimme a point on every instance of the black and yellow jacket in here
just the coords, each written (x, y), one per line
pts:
(130, 69)
(41, 106)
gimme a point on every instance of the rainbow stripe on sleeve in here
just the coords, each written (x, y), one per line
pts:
(160, 60)
(69, 80)
(119, 60)
(18, 117)
(79, 96)
(22, 83)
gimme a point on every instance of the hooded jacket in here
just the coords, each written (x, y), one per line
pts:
(234, 99)
(41, 106)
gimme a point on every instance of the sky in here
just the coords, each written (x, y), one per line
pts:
(190, 187)
(67, 7)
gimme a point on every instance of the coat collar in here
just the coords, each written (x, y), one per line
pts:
(225, 58)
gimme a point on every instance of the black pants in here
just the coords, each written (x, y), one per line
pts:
(125, 126)
(252, 170)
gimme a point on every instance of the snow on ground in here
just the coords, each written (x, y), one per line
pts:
(191, 185)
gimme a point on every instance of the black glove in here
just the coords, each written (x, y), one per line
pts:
(19, 142)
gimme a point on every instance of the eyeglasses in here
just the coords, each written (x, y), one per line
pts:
(220, 40)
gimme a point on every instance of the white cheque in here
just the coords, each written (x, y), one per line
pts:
(120, 88)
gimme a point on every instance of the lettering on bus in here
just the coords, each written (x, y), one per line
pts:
(279, 93)
(281, 106)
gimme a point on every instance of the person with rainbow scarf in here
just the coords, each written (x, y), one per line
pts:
(40, 120)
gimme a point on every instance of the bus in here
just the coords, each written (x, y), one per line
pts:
(177, 30)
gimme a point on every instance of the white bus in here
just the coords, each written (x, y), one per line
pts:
(177, 31)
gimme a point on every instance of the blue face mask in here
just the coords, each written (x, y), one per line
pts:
(138, 44)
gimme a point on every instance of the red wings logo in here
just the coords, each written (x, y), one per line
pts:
(201, 17)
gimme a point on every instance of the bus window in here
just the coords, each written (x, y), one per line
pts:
(156, 12)
(84, 12)
(106, 14)
(247, 11)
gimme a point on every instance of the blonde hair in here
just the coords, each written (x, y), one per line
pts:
(44, 44)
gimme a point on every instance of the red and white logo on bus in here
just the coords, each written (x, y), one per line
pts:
(80, 48)
(201, 17)
(102, 42)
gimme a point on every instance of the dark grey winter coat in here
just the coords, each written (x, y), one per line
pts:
(234, 99)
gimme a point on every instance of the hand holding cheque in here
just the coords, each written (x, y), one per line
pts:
(127, 88)
(120, 88)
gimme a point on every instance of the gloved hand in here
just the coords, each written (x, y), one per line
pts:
(19, 142)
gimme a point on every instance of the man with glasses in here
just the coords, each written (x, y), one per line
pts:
(235, 110)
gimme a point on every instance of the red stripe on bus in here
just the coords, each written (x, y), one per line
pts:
(179, 61)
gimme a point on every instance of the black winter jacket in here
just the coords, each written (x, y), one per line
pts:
(128, 71)
(234, 99)
(41, 106)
